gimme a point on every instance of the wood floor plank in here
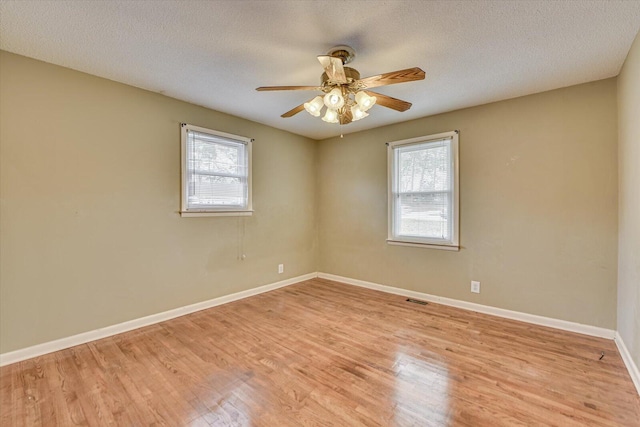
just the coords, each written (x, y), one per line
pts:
(321, 353)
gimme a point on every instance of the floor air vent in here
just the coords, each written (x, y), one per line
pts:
(416, 301)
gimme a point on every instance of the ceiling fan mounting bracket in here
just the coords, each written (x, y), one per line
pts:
(344, 52)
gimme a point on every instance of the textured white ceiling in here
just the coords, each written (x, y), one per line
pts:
(215, 53)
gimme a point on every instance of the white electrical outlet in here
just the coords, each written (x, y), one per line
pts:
(280, 268)
(475, 287)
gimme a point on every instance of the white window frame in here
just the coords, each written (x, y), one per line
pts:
(185, 211)
(392, 238)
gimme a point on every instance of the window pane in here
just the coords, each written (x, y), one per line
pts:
(424, 168)
(423, 191)
(215, 157)
(217, 172)
(424, 215)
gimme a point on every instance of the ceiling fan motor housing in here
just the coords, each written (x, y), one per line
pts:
(351, 73)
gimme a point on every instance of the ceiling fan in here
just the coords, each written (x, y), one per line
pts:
(347, 96)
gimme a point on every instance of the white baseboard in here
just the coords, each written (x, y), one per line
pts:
(51, 346)
(628, 361)
(500, 312)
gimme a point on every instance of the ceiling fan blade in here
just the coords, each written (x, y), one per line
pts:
(293, 111)
(333, 67)
(400, 76)
(345, 117)
(389, 102)
(263, 88)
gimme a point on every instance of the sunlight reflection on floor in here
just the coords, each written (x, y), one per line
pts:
(421, 388)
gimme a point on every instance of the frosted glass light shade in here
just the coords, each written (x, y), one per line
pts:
(365, 101)
(334, 99)
(357, 113)
(314, 106)
(331, 116)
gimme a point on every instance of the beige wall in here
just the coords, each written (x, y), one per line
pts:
(629, 204)
(538, 206)
(90, 189)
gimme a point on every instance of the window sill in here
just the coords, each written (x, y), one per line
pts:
(217, 213)
(424, 245)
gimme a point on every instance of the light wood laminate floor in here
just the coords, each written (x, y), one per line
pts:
(326, 354)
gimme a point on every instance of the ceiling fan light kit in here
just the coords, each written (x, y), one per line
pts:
(357, 113)
(331, 116)
(334, 99)
(314, 106)
(365, 101)
(346, 95)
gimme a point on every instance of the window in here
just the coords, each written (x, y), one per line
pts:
(216, 173)
(423, 191)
